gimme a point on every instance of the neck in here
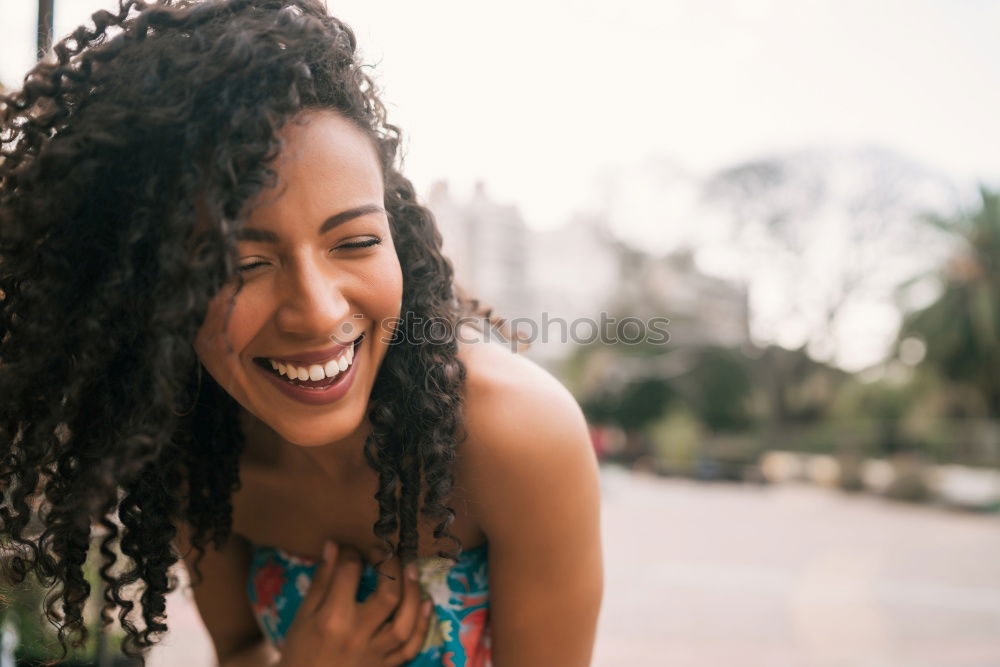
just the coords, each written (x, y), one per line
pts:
(341, 461)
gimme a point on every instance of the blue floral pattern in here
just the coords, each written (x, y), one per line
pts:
(458, 635)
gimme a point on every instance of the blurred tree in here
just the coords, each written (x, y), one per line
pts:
(960, 329)
(633, 407)
(790, 386)
(876, 412)
(599, 408)
(718, 390)
(833, 232)
(642, 402)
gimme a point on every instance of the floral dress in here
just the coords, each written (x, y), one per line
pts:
(458, 635)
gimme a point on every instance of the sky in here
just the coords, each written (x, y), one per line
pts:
(541, 100)
(536, 98)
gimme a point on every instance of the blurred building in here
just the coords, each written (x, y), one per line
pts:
(702, 309)
(552, 283)
(574, 273)
(540, 281)
(487, 243)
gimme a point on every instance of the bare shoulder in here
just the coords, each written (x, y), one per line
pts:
(532, 476)
(510, 400)
(525, 431)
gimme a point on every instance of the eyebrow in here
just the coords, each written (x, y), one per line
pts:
(265, 236)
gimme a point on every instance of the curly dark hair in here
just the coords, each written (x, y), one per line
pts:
(105, 280)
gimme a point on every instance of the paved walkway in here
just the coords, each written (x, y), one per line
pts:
(709, 574)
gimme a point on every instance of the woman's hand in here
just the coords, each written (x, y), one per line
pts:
(332, 629)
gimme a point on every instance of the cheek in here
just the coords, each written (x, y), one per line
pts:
(384, 286)
(215, 337)
(393, 292)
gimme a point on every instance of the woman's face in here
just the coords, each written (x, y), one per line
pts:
(319, 272)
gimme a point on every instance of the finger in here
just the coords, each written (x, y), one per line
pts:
(321, 578)
(381, 604)
(398, 630)
(412, 647)
(343, 587)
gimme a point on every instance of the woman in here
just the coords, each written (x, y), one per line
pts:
(226, 319)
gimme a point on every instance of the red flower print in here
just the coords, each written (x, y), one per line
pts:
(268, 582)
(473, 625)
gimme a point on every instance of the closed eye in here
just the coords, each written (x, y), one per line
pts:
(367, 243)
(251, 266)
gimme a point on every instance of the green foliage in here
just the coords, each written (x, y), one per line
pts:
(791, 387)
(599, 409)
(37, 637)
(642, 401)
(880, 401)
(960, 329)
(718, 390)
(637, 404)
(677, 439)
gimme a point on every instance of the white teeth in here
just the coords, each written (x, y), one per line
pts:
(315, 372)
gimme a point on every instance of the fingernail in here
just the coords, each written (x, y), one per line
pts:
(411, 571)
(426, 607)
(329, 549)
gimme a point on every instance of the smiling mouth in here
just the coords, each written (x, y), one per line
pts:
(299, 375)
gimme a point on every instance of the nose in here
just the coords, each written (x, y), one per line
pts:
(312, 304)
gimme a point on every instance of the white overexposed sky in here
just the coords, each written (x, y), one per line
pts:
(535, 97)
(538, 99)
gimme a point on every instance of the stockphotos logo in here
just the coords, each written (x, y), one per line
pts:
(607, 330)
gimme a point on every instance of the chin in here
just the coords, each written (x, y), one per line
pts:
(317, 434)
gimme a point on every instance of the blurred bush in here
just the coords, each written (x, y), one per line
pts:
(37, 638)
